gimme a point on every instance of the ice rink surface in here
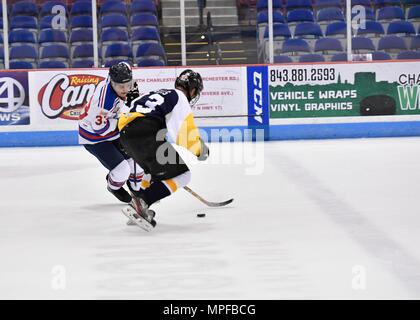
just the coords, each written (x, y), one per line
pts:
(333, 219)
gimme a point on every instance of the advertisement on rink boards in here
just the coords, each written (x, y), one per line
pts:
(343, 90)
(57, 97)
(223, 92)
(14, 99)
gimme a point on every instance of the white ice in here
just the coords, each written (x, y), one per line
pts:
(333, 219)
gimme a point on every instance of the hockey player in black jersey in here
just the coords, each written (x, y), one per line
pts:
(143, 132)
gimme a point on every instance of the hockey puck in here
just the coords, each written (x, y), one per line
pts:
(201, 215)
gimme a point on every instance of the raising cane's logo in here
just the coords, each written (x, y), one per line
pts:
(65, 95)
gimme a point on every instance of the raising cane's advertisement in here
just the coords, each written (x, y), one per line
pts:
(58, 98)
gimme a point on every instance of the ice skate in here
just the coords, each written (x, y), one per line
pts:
(139, 213)
(121, 194)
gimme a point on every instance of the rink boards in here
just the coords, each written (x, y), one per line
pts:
(289, 101)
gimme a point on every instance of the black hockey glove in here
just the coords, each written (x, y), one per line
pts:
(204, 152)
(132, 94)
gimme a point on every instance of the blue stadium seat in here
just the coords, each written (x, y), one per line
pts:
(51, 64)
(308, 30)
(118, 50)
(295, 46)
(113, 7)
(47, 8)
(151, 50)
(144, 19)
(328, 45)
(339, 57)
(23, 52)
(380, 55)
(86, 63)
(114, 21)
(298, 4)
(362, 45)
(262, 5)
(24, 8)
(330, 15)
(143, 6)
(300, 15)
(145, 34)
(411, 54)
(18, 37)
(81, 8)
(55, 51)
(415, 43)
(282, 59)
(391, 43)
(83, 51)
(386, 3)
(80, 36)
(52, 36)
(150, 63)
(390, 13)
(372, 28)
(327, 4)
(311, 57)
(414, 13)
(262, 17)
(114, 35)
(401, 27)
(45, 22)
(24, 22)
(280, 30)
(336, 29)
(21, 65)
(81, 22)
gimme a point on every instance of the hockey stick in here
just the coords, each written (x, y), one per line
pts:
(208, 203)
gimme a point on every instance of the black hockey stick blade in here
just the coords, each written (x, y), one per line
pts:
(208, 203)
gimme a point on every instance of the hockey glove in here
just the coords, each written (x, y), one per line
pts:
(204, 152)
(132, 94)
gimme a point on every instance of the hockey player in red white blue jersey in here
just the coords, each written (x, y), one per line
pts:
(99, 134)
(151, 118)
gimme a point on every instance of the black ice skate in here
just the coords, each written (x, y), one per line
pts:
(121, 194)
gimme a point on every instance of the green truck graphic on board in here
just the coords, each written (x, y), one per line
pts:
(364, 97)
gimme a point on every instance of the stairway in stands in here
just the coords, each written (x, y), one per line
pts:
(224, 12)
(227, 43)
(231, 45)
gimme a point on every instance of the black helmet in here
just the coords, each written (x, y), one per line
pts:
(121, 72)
(188, 80)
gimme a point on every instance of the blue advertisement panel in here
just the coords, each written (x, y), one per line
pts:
(257, 83)
(14, 98)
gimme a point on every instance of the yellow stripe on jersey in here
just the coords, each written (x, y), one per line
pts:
(126, 118)
(144, 184)
(170, 183)
(189, 136)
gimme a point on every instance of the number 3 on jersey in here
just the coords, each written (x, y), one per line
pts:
(151, 103)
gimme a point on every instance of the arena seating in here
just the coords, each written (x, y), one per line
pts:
(303, 30)
(38, 40)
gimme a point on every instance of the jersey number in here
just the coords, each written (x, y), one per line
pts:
(151, 103)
